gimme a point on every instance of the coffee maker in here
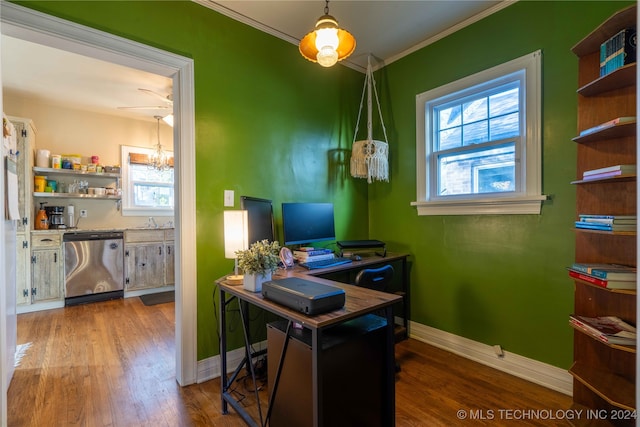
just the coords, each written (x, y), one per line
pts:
(56, 216)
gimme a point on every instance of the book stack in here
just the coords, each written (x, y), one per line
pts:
(608, 329)
(607, 222)
(609, 172)
(611, 276)
(609, 124)
(308, 254)
(618, 51)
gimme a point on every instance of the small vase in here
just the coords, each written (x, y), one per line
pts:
(253, 282)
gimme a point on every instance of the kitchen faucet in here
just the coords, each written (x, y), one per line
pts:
(152, 221)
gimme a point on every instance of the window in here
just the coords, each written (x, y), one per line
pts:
(145, 191)
(479, 143)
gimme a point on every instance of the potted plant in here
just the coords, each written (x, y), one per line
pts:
(257, 263)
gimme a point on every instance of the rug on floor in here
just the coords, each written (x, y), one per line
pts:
(159, 298)
(21, 350)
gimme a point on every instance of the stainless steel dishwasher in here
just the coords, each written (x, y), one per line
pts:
(93, 266)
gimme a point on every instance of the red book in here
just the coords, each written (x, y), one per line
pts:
(617, 284)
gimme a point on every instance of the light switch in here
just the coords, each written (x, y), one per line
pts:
(228, 198)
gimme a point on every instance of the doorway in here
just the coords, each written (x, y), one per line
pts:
(30, 25)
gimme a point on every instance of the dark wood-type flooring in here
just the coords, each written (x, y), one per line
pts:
(112, 364)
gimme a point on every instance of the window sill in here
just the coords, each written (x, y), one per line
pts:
(531, 205)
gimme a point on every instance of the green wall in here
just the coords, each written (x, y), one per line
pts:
(496, 279)
(270, 124)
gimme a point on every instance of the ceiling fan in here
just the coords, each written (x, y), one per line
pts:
(166, 105)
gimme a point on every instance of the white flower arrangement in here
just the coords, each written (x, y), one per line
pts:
(261, 257)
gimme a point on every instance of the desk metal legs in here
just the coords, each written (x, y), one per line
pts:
(226, 382)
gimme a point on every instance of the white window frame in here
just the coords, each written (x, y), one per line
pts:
(528, 197)
(127, 188)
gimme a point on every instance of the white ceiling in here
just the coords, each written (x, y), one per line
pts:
(386, 30)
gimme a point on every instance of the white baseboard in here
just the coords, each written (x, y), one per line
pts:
(209, 368)
(539, 373)
(531, 370)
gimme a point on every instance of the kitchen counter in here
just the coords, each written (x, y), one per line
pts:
(90, 230)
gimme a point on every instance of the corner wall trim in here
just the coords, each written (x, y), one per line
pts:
(531, 370)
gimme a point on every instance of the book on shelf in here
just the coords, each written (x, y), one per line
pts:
(584, 217)
(311, 251)
(609, 220)
(606, 271)
(608, 329)
(605, 227)
(307, 258)
(609, 172)
(618, 51)
(603, 283)
(608, 124)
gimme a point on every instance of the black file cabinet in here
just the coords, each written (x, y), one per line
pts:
(351, 369)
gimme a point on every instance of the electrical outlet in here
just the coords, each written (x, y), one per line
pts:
(83, 213)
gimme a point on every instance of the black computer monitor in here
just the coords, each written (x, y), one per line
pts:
(260, 218)
(304, 223)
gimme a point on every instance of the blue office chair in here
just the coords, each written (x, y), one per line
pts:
(378, 279)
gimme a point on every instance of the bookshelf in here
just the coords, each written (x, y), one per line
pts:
(604, 375)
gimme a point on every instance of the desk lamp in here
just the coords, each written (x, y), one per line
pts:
(236, 237)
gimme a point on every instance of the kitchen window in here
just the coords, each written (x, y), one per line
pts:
(145, 191)
(479, 143)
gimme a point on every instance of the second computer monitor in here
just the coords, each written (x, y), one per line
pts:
(304, 223)
(260, 218)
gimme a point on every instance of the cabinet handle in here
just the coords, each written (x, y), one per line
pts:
(55, 257)
(46, 240)
(168, 250)
(159, 250)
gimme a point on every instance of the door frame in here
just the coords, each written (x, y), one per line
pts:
(34, 26)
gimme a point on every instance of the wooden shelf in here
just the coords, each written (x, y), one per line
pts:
(591, 43)
(611, 233)
(616, 390)
(604, 373)
(622, 77)
(584, 421)
(613, 291)
(627, 348)
(614, 131)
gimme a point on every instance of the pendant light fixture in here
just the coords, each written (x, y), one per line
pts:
(159, 159)
(328, 43)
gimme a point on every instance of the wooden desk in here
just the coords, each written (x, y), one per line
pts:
(345, 273)
(358, 302)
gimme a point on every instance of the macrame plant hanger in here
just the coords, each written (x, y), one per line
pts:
(370, 157)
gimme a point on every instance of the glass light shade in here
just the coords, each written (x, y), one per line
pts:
(327, 44)
(236, 234)
(327, 56)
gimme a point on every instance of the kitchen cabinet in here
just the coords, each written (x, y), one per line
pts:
(23, 270)
(26, 142)
(148, 259)
(47, 267)
(170, 258)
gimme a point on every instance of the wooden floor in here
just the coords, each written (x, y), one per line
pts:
(112, 364)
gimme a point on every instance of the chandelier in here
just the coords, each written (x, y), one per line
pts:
(159, 159)
(328, 43)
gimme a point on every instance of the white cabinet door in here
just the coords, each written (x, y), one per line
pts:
(23, 270)
(170, 262)
(46, 267)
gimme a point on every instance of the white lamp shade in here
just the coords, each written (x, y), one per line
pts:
(236, 234)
